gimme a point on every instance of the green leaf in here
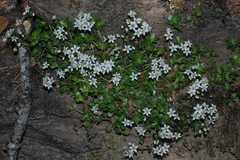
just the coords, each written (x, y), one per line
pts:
(78, 97)
(175, 21)
(99, 23)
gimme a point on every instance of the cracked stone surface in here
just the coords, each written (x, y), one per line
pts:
(56, 133)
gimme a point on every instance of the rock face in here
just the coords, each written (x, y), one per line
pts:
(7, 5)
(55, 133)
(112, 12)
(233, 6)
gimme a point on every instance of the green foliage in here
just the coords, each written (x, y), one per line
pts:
(175, 21)
(233, 43)
(196, 15)
(228, 74)
(129, 98)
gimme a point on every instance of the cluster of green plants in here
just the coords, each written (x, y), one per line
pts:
(228, 74)
(130, 97)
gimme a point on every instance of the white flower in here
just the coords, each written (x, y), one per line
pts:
(169, 34)
(93, 81)
(96, 110)
(156, 142)
(146, 28)
(137, 26)
(161, 150)
(128, 48)
(198, 87)
(165, 132)
(26, 10)
(134, 76)
(116, 79)
(141, 131)
(158, 68)
(48, 82)
(186, 48)
(54, 17)
(111, 38)
(75, 49)
(61, 74)
(173, 114)
(84, 22)
(127, 123)
(147, 112)
(132, 150)
(107, 66)
(60, 33)
(132, 14)
(192, 72)
(45, 65)
(19, 22)
(173, 48)
(14, 39)
(9, 32)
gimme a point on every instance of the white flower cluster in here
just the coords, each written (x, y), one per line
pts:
(60, 74)
(127, 123)
(185, 47)
(140, 131)
(87, 65)
(60, 33)
(205, 111)
(137, 25)
(8, 34)
(166, 133)
(14, 36)
(131, 151)
(48, 82)
(207, 114)
(192, 72)
(112, 38)
(161, 149)
(198, 87)
(158, 68)
(84, 22)
(172, 113)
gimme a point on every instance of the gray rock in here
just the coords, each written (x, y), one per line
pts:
(112, 12)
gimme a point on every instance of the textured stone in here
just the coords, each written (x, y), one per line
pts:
(112, 12)
(54, 133)
(233, 6)
(7, 5)
(3, 23)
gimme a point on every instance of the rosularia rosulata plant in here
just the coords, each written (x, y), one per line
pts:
(127, 79)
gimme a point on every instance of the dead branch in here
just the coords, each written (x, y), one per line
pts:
(25, 107)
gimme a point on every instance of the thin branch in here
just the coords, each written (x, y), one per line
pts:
(25, 107)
